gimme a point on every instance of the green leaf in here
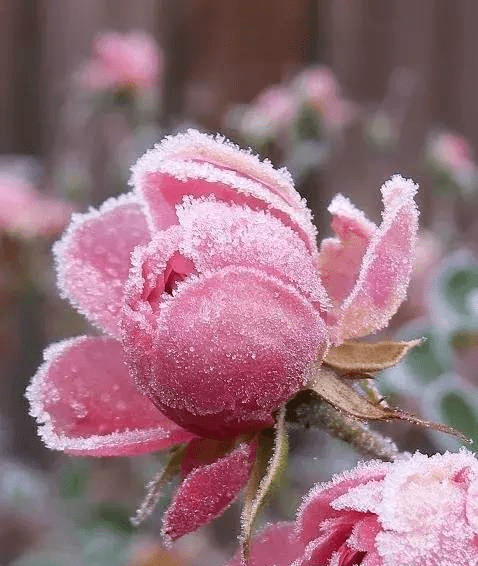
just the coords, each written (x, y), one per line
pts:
(459, 414)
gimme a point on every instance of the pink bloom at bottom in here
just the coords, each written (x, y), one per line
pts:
(420, 511)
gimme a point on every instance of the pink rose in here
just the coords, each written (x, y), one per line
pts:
(318, 86)
(420, 511)
(205, 280)
(26, 213)
(122, 61)
(451, 153)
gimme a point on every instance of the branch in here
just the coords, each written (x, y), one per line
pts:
(307, 410)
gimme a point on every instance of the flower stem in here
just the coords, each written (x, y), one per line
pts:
(309, 411)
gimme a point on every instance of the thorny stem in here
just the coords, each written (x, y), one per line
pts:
(309, 411)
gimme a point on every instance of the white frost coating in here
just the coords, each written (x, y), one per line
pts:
(61, 247)
(197, 145)
(181, 166)
(397, 194)
(343, 207)
(217, 234)
(39, 387)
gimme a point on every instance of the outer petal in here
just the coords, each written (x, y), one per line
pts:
(341, 257)
(217, 235)
(226, 350)
(207, 491)
(320, 550)
(85, 403)
(196, 164)
(386, 266)
(93, 258)
(276, 545)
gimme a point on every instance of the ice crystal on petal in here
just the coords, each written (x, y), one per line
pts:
(217, 235)
(386, 266)
(211, 369)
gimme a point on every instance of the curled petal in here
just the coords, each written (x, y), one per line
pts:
(227, 350)
(217, 235)
(207, 491)
(276, 544)
(386, 265)
(93, 259)
(340, 257)
(198, 165)
(85, 403)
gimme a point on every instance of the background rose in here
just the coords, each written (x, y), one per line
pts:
(420, 511)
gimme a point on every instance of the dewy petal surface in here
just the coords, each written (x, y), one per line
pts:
(93, 259)
(217, 235)
(196, 165)
(86, 404)
(207, 491)
(227, 349)
(386, 265)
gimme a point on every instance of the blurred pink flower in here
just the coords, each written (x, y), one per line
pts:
(122, 62)
(205, 279)
(420, 511)
(452, 155)
(318, 86)
(26, 213)
(270, 114)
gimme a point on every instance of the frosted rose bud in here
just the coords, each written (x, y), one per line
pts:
(215, 303)
(420, 511)
(209, 284)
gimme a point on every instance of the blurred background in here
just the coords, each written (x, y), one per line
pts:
(344, 93)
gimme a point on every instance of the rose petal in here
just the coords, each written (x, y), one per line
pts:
(93, 259)
(340, 258)
(85, 403)
(208, 491)
(217, 235)
(316, 506)
(197, 165)
(386, 266)
(320, 550)
(226, 350)
(276, 545)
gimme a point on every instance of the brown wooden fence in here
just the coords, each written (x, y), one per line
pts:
(227, 50)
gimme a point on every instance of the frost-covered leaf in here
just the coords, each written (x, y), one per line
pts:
(269, 464)
(155, 486)
(364, 357)
(339, 393)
